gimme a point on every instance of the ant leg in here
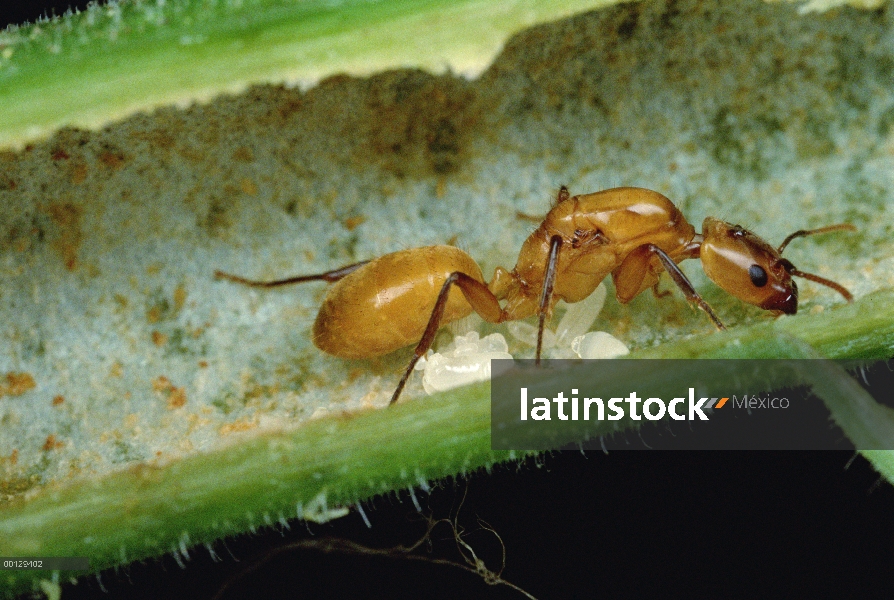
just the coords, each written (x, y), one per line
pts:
(483, 302)
(329, 276)
(683, 283)
(549, 282)
(523, 216)
(658, 293)
(635, 275)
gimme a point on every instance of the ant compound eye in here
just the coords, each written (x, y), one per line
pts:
(758, 275)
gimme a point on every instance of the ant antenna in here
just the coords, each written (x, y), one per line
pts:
(810, 276)
(822, 280)
(806, 232)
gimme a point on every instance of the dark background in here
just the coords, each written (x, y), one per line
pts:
(627, 524)
(17, 13)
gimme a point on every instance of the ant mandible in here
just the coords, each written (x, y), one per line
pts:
(380, 305)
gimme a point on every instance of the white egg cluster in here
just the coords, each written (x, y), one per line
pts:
(467, 359)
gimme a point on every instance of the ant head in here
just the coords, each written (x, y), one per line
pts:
(747, 267)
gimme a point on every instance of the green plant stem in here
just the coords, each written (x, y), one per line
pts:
(340, 460)
(107, 62)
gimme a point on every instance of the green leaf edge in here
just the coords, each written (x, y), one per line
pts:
(105, 63)
(340, 460)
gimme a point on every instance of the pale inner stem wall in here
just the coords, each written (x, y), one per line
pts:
(116, 344)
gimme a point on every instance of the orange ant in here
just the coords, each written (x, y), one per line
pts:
(378, 306)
